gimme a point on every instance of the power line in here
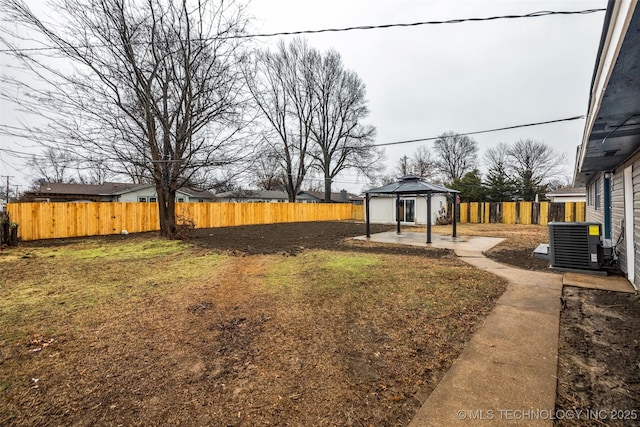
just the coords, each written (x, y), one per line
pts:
(537, 14)
(431, 138)
(421, 23)
(408, 141)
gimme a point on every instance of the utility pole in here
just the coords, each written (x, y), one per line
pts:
(7, 188)
(405, 167)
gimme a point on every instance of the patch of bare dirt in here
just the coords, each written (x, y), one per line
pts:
(520, 258)
(599, 358)
(293, 238)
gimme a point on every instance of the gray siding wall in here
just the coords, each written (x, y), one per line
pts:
(617, 214)
(617, 201)
(617, 210)
(636, 216)
(591, 214)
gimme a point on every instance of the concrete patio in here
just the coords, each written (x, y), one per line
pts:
(461, 243)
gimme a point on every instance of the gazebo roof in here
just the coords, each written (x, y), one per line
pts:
(411, 184)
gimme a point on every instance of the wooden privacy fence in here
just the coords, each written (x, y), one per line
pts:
(58, 220)
(521, 212)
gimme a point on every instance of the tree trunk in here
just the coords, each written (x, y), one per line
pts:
(8, 230)
(167, 212)
(327, 189)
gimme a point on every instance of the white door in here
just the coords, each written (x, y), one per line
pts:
(628, 224)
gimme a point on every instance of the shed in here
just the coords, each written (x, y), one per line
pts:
(409, 185)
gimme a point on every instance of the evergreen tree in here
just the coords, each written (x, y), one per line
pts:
(500, 187)
(470, 187)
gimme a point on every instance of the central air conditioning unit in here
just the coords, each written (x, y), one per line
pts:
(575, 245)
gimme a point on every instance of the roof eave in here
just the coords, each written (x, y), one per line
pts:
(616, 23)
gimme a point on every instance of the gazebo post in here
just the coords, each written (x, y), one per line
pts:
(429, 217)
(455, 213)
(398, 213)
(366, 215)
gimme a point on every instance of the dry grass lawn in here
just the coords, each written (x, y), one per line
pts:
(153, 332)
(516, 236)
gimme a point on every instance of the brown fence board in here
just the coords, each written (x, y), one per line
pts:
(521, 212)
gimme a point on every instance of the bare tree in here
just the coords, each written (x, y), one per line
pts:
(94, 171)
(152, 85)
(403, 167)
(534, 163)
(268, 172)
(423, 164)
(457, 155)
(314, 110)
(379, 180)
(56, 165)
(52, 165)
(559, 182)
(281, 86)
(342, 140)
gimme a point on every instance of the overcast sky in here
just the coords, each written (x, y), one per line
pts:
(423, 81)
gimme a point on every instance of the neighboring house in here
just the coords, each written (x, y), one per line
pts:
(609, 157)
(109, 192)
(413, 209)
(567, 194)
(318, 197)
(147, 193)
(256, 196)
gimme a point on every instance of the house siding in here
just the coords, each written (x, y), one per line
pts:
(617, 210)
(617, 201)
(133, 196)
(636, 217)
(595, 210)
(617, 214)
(567, 199)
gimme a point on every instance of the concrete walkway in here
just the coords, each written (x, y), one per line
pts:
(506, 375)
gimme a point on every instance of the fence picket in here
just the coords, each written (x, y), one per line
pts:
(521, 212)
(58, 220)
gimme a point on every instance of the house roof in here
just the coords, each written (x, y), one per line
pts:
(254, 194)
(411, 184)
(196, 193)
(107, 189)
(612, 129)
(335, 196)
(568, 191)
